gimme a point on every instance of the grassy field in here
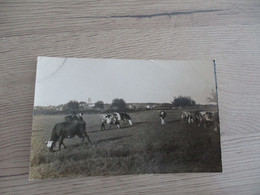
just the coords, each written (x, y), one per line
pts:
(145, 147)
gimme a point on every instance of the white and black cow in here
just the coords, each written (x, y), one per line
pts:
(162, 116)
(122, 116)
(205, 118)
(110, 120)
(186, 117)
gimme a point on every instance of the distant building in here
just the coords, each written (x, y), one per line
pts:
(90, 104)
(83, 105)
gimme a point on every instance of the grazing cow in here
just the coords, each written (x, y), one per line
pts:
(198, 116)
(122, 116)
(162, 116)
(204, 118)
(187, 117)
(109, 120)
(67, 129)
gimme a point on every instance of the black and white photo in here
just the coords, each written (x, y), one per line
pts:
(97, 117)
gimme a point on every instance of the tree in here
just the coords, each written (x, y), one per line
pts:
(99, 105)
(118, 103)
(82, 105)
(213, 98)
(72, 107)
(183, 101)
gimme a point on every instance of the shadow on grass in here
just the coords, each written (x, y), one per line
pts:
(95, 131)
(174, 121)
(103, 130)
(125, 127)
(108, 129)
(110, 139)
(139, 123)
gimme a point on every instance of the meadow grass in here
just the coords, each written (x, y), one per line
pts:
(145, 147)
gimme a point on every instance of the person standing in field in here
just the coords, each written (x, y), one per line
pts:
(162, 116)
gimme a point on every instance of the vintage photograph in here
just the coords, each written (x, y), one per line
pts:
(95, 117)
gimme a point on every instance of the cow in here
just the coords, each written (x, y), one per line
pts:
(67, 129)
(122, 116)
(110, 120)
(162, 116)
(186, 117)
(198, 116)
(204, 118)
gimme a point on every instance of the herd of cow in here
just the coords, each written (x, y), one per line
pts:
(75, 124)
(201, 118)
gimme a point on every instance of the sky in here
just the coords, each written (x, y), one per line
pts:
(59, 80)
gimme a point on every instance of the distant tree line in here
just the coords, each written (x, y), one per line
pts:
(73, 107)
(118, 105)
(183, 101)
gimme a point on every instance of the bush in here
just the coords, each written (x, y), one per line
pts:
(118, 104)
(183, 101)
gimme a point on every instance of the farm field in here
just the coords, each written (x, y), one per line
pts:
(145, 147)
